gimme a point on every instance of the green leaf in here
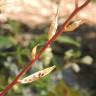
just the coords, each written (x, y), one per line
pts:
(15, 26)
(68, 40)
(4, 41)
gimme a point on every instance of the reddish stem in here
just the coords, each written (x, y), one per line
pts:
(62, 29)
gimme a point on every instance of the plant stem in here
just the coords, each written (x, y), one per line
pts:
(61, 30)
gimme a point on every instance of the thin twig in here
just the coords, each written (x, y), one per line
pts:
(76, 3)
(62, 29)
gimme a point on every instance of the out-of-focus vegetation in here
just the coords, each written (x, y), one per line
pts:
(73, 53)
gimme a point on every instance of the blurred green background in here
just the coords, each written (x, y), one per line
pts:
(73, 53)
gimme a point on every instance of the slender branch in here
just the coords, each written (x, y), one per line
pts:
(85, 3)
(61, 30)
(76, 3)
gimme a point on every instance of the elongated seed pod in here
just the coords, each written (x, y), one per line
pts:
(33, 53)
(74, 25)
(53, 26)
(36, 75)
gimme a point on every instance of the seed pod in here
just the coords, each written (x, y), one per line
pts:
(33, 53)
(74, 25)
(36, 75)
(53, 26)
